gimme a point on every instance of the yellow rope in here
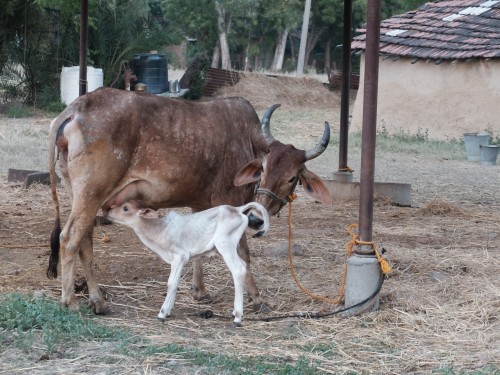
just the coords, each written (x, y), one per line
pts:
(346, 169)
(384, 265)
(340, 297)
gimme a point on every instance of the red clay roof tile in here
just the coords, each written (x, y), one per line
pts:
(450, 29)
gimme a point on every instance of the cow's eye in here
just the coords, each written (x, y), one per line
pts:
(125, 208)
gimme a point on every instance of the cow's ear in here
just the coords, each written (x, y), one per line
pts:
(315, 187)
(147, 213)
(249, 173)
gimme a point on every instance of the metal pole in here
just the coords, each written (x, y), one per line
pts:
(363, 270)
(369, 127)
(84, 16)
(346, 78)
(303, 39)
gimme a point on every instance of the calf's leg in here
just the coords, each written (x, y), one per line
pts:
(173, 283)
(238, 270)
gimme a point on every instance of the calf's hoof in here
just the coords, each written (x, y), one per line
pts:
(235, 325)
(161, 320)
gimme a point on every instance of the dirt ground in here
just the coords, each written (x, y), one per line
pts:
(439, 308)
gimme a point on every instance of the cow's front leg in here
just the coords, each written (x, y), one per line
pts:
(253, 292)
(199, 291)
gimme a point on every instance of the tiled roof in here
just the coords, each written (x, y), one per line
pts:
(441, 30)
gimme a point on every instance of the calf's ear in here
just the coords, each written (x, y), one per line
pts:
(315, 187)
(147, 213)
(249, 173)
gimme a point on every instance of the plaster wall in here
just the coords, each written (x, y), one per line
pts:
(444, 100)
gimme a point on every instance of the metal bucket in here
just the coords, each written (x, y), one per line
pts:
(489, 154)
(173, 86)
(473, 141)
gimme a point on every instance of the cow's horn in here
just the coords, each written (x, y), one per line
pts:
(321, 146)
(264, 124)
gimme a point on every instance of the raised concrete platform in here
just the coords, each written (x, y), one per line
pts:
(28, 177)
(399, 194)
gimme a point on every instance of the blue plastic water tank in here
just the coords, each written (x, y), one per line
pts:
(151, 69)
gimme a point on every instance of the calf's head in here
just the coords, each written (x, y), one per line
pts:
(279, 171)
(130, 213)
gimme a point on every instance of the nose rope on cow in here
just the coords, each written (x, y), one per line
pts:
(282, 202)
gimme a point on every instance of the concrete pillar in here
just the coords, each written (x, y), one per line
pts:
(362, 281)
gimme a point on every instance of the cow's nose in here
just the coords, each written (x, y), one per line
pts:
(255, 222)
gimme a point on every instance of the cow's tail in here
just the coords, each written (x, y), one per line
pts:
(263, 213)
(54, 237)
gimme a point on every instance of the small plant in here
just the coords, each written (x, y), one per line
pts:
(29, 319)
(49, 100)
(19, 111)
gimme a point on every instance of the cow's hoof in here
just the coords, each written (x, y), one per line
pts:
(161, 320)
(205, 298)
(72, 306)
(262, 308)
(99, 307)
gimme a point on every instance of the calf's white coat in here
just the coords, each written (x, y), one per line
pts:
(177, 238)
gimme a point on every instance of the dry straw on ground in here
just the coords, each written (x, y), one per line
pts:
(261, 89)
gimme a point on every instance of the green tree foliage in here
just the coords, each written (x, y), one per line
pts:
(42, 36)
(196, 20)
(38, 37)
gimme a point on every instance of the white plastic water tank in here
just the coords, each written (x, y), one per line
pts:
(69, 82)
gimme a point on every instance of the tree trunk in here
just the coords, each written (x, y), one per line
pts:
(223, 24)
(216, 57)
(293, 53)
(328, 54)
(279, 53)
(312, 40)
(224, 49)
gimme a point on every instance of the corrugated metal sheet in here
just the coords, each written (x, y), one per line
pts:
(441, 30)
(217, 78)
(335, 80)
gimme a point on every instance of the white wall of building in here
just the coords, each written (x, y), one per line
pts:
(445, 100)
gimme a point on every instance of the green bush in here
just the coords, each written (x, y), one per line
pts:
(19, 111)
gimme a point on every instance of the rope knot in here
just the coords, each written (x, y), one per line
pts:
(384, 265)
(291, 197)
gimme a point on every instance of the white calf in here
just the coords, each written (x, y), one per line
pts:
(177, 238)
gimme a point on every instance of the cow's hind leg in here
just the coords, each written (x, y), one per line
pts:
(76, 237)
(97, 302)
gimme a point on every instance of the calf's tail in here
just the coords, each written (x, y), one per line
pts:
(263, 213)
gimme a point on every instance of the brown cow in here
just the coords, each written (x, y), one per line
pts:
(115, 145)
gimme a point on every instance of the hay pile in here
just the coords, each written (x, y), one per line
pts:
(290, 92)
